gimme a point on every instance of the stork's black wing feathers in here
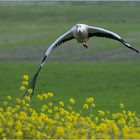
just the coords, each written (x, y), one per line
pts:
(100, 32)
(103, 35)
(63, 41)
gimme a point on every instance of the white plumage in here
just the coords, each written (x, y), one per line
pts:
(81, 33)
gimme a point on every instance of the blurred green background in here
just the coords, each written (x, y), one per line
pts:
(107, 70)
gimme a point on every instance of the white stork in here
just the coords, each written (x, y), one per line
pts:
(81, 33)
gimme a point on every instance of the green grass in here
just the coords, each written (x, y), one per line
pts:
(47, 23)
(108, 82)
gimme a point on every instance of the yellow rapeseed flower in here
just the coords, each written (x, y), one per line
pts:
(25, 77)
(90, 100)
(85, 106)
(121, 121)
(9, 108)
(50, 94)
(101, 113)
(102, 127)
(69, 107)
(15, 115)
(23, 102)
(55, 108)
(96, 119)
(9, 97)
(5, 102)
(129, 113)
(1, 130)
(93, 105)
(1, 109)
(22, 88)
(39, 97)
(121, 105)
(25, 83)
(50, 104)
(72, 101)
(27, 98)
(22, 115)
(30, 90)
(18, 101)
(19, 134)
(44, 107)
(50, 111)
(60, 130)
(18, 124)
(27, 128)
(56, 116)
(124, 111)
(38, 135)
(61, 103)
(10, 122)
(45, 95)
(17, 107)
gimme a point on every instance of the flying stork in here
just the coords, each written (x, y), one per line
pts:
(81, 33)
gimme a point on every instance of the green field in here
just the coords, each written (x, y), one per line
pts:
(107, 70)
(108, 82)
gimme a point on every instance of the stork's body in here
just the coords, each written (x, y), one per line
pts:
(81, 33)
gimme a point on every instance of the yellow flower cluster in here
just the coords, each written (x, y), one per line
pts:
(24, 82)
(72, 101)
(59, 120)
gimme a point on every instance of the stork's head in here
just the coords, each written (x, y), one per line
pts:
(78, 27)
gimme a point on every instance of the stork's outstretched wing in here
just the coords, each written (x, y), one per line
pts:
(65, 37)
(100, 32)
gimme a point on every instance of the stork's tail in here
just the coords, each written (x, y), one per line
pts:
(32, 83)
(128, 45)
